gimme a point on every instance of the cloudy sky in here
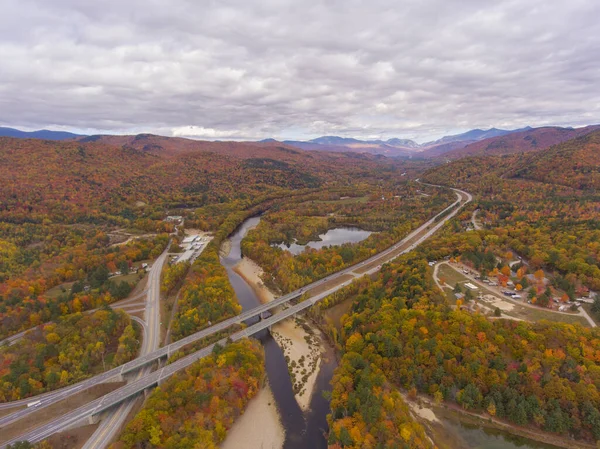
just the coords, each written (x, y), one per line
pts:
(251, 69)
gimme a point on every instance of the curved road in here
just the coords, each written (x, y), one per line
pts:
(149, 380)
(16, 337)
(62, 391)
(497, 291)
(476, 224)
(113, 422)
(51, 397)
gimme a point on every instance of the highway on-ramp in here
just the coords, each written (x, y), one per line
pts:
(111, 424)
(62, 392)
(150, 380)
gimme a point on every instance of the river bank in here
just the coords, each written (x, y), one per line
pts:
(302, 347)
(260, 425)
(225, 248)
(252, 274)
(450, 426)
(303, 427)
(300, 342)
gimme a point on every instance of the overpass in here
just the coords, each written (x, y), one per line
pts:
(151, 380)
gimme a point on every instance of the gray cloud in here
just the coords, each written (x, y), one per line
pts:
(253, 69)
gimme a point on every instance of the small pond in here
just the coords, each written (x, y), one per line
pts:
(471, 436)
(333, 237)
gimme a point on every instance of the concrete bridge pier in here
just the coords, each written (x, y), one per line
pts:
(161, 381)
(93, 419)
(118, 378)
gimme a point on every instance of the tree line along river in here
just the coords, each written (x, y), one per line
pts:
(309, 429)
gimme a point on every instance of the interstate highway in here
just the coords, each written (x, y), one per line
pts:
(405, 245)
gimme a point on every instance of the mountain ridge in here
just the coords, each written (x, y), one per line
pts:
(573, 164)
(528, 140)
(474, 142)
(398, 147)
(38, 134)
(475, 135)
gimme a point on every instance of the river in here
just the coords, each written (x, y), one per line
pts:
(308, 430)
(302, 430)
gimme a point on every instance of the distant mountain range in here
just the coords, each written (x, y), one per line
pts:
(521, 141)
(475, 135)
(396, 147)
(390, 148)
(471, 143)
(41, 134)
(334, 140)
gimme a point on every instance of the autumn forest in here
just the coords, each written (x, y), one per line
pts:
(491, 317)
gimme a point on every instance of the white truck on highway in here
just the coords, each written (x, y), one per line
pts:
(33, 404)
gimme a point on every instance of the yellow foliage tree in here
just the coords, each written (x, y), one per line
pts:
(52, 338)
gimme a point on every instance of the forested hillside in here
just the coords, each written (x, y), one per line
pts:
(546, 203)
(174, 146)
(92, 181)
(535, 139)
(62, 203)
(59, 354)
(575, 163)
(400, 330)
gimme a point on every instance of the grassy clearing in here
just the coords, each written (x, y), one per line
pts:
(449, 276)
(132, 278)
(166, 312)
(55, 292)
(593, 316)
(536, 315)
(452, 277)
(333, 315)
(449, 295)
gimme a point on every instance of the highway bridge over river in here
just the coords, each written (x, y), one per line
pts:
(313, 293)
